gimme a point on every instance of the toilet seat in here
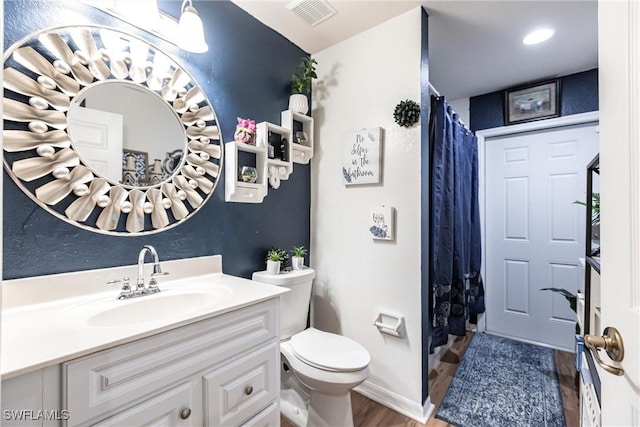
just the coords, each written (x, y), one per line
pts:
(329, 352)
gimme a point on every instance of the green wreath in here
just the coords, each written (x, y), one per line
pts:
(406, 113)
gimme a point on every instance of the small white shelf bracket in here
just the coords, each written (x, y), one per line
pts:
(300, 153)
(390, 324)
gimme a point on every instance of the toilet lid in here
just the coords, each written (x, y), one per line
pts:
(328, 351)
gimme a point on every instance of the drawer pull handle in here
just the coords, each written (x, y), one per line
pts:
(185, 413)
(248, 390)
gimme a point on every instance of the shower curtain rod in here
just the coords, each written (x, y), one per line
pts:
(435, 91)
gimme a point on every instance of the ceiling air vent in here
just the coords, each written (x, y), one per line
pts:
(312, 11)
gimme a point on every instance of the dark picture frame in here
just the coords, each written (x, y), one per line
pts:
(141, 162)
(532, 102)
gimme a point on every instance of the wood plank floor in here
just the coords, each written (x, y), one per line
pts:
(367, 413)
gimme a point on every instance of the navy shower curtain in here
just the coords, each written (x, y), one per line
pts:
(457, 292)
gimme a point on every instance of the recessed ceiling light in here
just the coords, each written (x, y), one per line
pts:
(538, 36)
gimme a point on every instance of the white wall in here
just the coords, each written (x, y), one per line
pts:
(360, 82)
(461, 106)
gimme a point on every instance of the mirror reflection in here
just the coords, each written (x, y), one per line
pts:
(126, 133)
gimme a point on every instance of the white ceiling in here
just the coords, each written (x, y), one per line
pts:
(475, 46)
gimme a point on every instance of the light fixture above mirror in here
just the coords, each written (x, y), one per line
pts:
(190, 30)
(187, 32)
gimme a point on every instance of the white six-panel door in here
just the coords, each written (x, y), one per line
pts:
(534, 231)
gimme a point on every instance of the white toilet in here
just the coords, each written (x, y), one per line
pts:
(325, 366)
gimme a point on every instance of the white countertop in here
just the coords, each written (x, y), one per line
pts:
(46, 319)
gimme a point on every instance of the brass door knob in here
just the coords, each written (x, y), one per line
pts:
(611, 342)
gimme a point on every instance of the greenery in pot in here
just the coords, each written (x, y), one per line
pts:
(275, 254)
(297, 262)
(305, 73)
(595, 208)
(299, 251)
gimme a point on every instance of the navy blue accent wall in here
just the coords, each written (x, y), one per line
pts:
(579, 94)
(246, 73)
(425, 160)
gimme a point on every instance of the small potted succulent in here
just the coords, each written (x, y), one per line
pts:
(301, 85)
(275, 259)
(297, 260)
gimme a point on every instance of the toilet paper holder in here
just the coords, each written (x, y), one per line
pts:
(390, 324)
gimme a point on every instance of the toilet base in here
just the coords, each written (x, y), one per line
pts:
(330, 410)
(295, 415)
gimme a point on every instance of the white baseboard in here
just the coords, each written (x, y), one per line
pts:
(406, 407)
(434, 359)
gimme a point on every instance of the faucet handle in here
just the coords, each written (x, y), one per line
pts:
(125, 292)
(153, 283)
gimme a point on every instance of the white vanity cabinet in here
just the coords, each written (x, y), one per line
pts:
(221, 371)
(26, 397)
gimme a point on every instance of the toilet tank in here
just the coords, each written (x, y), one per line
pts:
(294, 305)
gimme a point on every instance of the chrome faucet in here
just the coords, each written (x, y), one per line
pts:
(126, 292)
(157, 271)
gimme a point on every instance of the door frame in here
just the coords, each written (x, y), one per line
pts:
(484, 137)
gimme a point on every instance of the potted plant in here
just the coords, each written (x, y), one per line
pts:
(297, 260)
(274, 259)
(301, 85)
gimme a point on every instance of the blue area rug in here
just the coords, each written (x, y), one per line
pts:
(504, 383)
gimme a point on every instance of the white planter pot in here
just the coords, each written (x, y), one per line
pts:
(297, 262)
(273, 267)
(299, 103)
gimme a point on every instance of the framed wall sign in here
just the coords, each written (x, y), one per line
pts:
(381, 223)
(362, 157)
(532, 102)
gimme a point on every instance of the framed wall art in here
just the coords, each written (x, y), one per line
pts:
(532, 102)
(134, 167)
(362, 157)
(381, 223)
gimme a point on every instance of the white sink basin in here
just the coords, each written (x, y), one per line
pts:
(156, 307)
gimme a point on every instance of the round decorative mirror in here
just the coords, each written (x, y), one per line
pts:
(107, 132)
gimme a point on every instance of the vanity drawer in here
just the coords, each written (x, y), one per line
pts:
(97, 385)
(236, 391)
(164, 409)
(270, 417)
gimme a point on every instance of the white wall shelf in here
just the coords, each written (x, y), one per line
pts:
(280, 167)
(237, 190)
(271, 171)
(300, 153)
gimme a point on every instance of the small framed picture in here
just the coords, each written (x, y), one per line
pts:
(134, 166)
(381, 223)
(532, 102)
